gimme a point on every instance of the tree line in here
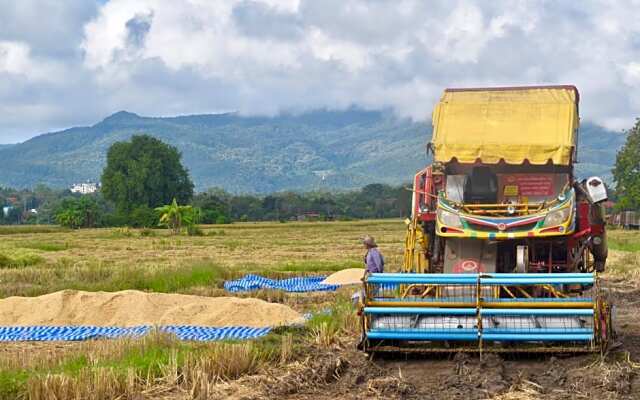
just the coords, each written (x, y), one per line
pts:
(215, 206)
(144, 174)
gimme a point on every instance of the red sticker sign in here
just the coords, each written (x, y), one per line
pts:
(529, 184)
(468, 266)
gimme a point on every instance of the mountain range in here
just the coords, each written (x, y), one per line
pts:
(316, 150)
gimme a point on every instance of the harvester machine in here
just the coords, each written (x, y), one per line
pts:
(504, 246)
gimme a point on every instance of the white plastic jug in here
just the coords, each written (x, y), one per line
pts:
(596, 189)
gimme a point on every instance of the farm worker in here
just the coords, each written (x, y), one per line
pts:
(373, 260)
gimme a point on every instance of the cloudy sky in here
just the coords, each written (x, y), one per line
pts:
(67, 63)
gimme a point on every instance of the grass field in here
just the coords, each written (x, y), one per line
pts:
(38, 260)
(34, 262)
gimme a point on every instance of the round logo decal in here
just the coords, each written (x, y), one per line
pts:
(468, 267)
(501, 227)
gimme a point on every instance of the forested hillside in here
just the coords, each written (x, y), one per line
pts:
(317, 150)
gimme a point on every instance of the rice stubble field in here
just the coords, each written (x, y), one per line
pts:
(318, 360)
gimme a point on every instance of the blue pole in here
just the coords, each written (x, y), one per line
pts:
(537, 331)
(537, 337)
(426, 280)
(534, 280)
(537, 312)
(419, 310)
(490, 275)
(465, 280)
(420, 335)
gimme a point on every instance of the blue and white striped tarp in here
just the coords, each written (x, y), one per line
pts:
(74, 333)
(297, 284)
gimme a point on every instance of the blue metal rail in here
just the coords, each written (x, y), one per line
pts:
(563, 319)
(486, 279)
(471, 336)
(483, 311)
(493, 300)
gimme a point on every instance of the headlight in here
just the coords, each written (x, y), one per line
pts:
(447, 218)
(557, 217)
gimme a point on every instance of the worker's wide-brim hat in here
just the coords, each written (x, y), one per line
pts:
(369, 241)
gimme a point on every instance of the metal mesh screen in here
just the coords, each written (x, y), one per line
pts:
(500, 309)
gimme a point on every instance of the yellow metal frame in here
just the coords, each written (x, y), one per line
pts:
(416, 245)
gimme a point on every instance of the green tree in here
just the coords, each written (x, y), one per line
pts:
(144, 172)
(48, 202)
(80, 212)
(212, 205)
(143, 217)
(626, 172)
(175, 216)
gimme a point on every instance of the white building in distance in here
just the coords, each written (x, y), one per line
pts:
(85, 188)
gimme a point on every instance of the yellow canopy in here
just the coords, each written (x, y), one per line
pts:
(515, 124)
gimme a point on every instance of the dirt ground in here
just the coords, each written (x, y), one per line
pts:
(344, 373)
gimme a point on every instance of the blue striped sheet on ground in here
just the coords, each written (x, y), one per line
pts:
(297, 284)
(75, 333)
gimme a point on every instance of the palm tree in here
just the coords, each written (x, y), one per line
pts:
(174, 216)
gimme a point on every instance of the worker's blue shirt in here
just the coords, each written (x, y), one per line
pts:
(374, 261)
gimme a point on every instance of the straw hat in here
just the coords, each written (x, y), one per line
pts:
(369, 241)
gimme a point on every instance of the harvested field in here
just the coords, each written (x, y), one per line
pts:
(121, 259)
(315, 362)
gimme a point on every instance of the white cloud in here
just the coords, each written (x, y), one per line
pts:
(464, 35)
(106, 35)
(351, 55)
(632, 73)
(14, 57)
(16, 60)
(160, 57)
(285, 5)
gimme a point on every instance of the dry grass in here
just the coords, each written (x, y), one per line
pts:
(188, 373)
(624, 255)
(129, 368)
(625, 240)
(624, 265)
(116, 259)
(332, 325)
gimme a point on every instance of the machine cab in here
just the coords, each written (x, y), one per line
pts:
(501, 190)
